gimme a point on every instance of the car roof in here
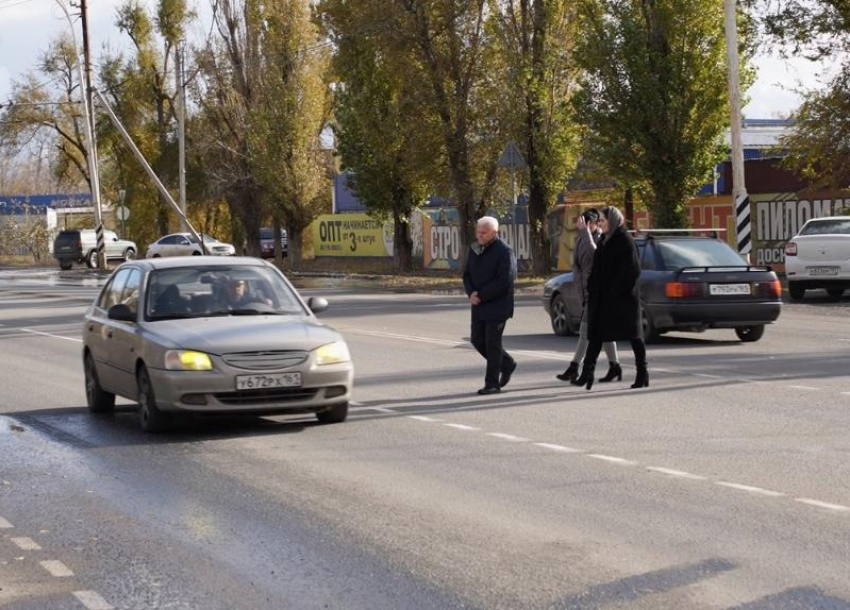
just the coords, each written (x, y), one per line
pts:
(190, 262)
(828, 218)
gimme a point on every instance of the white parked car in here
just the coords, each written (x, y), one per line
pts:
(185, 244)
(819, 257)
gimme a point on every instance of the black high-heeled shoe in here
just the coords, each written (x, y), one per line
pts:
(614, 370)
(570, 374)
(642, 379)
(586, 377)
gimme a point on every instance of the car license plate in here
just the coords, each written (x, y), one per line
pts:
(724, 289)
(823, 270)
(261, 382)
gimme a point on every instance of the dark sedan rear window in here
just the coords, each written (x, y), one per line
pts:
(68, 238)
(698, 253)
(827, 227)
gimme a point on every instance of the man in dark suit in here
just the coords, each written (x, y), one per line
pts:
(489, 283)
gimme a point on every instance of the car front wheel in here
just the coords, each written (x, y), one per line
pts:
(151, 419)
(796, 290)
(560, 317)
(129, 254)
(749, 334)
(835, 293)
(333, 415)
(98, 399)
(91, 259)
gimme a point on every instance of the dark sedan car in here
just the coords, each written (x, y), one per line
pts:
(686, 284)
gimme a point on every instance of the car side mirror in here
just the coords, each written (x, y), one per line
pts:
(122, 313)
(317, 304)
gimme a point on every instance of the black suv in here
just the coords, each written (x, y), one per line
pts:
(686, 284)
(80, 245)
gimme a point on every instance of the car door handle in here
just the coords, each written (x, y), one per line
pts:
(91, 328)
(109, 334)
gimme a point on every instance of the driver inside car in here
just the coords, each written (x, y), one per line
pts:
(239, 295)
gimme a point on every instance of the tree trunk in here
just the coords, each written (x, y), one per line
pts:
(629, 208)
(295, 242)
(278, 250)
(402, 243)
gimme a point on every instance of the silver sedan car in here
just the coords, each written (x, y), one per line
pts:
(210, 336)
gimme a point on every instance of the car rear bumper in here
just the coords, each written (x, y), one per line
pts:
(730, 314)
(817, 274)
(215, 391)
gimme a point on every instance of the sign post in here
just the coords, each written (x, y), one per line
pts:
(512, 158)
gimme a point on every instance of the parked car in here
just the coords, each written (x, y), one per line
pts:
(686, 284)
(267, 242)
(80, 245)
(186, 244)
(819, 257)
(212, 336)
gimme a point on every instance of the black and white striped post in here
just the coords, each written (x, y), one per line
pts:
(743, 220)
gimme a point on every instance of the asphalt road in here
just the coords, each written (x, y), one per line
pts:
(722, 485)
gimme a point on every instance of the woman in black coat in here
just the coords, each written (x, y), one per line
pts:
(613, 305)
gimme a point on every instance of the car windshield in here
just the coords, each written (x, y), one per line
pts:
(827, 227)
(219, 291)
(698, 253)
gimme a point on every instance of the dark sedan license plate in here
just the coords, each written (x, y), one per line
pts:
(261, 382)
(724, 289)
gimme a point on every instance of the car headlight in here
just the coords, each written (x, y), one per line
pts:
(332, 353)
(184, 360)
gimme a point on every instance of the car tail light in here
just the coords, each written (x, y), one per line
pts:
(772, 289)
(791, 249)
(684, 290)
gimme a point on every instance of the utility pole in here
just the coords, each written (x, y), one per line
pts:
(181, 128)
(741, 201)
(93, 164)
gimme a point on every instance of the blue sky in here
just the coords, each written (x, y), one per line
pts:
(27, 26)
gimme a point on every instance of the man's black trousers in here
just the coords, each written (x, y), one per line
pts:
(486, 337)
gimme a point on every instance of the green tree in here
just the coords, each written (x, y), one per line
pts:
(653, 98)
(142, 92)
(444, 44)
(384, 136)
(819, 30)
(292, 111)
(45, 113)
(536, 39)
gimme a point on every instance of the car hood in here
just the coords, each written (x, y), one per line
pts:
(225, 335)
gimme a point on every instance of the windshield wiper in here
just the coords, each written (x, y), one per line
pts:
(254, 312)
(173, 316)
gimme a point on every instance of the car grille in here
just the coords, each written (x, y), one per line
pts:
(265, 361)
(265, 397)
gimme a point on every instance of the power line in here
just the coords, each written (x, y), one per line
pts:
(14, 3)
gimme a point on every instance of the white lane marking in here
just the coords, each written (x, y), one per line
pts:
(751, 489)
(5, 525)
(676, 473)
(92, 600)
(463, 427)
(380, 409)
(559, 448)
(659, 370)
(56, 568)
(52, 336)
(820, 504)
(845, 393)
(612, 459)
(26, 544)
(803, 387)
(708, 376)
(508, 437)
(371, 333)
(423, 418)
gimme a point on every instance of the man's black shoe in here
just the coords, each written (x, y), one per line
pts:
(489, 390)
(505, 378)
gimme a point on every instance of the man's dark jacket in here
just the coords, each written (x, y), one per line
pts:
(490, 271)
